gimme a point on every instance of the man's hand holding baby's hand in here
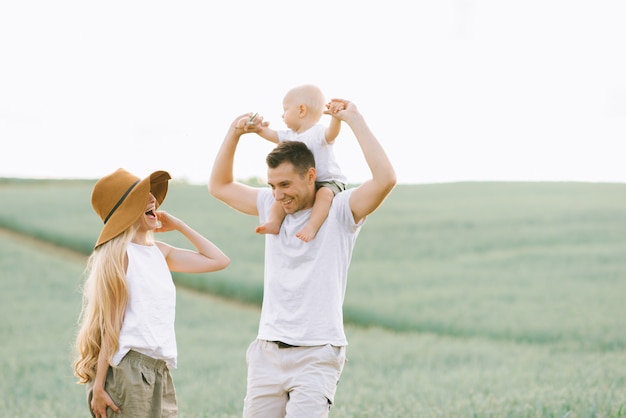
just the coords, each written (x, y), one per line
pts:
(334, 107)
(250, 122)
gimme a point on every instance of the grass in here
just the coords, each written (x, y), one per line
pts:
(388, 374)
(486, 300)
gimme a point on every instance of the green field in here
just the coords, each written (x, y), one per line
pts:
(464, 300)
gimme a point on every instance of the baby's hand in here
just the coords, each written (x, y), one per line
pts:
(335, 107)
(250, 122)
(341, 109)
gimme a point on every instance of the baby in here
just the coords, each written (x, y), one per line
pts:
(303, 107)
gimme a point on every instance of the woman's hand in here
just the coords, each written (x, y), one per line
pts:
(167, 222)
(99, 403)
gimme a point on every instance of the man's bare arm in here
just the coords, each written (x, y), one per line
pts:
(369, 195)
(222, 185)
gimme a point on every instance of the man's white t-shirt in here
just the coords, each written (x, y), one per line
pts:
(305, 282)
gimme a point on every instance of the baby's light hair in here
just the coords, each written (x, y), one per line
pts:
(312, 97)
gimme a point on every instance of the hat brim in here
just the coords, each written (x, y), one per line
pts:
(134, 205)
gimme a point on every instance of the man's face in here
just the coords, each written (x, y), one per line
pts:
(290, 189)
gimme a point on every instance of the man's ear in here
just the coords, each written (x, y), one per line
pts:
(311, 175)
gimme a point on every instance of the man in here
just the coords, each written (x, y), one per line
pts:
(295, 362)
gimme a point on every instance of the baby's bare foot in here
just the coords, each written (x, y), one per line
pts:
(307, 233)
(268, 228)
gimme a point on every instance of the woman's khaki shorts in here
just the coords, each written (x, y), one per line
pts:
(140, 386)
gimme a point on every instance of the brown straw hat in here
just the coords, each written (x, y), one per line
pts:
(121, 197)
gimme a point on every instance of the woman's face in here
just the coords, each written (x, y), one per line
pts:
(148, 221)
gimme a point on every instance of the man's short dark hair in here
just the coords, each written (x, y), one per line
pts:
(294, 152)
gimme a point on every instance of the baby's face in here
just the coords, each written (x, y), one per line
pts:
(291, 113)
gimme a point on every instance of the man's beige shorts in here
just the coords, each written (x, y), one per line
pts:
(288, 381)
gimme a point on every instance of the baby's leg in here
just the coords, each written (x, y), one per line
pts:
(274, 220)
(319, 213)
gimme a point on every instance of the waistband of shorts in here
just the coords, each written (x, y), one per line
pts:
(281, 344)
(148, 361)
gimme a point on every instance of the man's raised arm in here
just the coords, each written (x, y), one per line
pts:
(222, 185)
(369, 195)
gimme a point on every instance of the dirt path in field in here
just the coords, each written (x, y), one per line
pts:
(78, 257)
(42, 245)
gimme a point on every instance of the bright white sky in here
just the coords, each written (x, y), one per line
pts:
(456, 90)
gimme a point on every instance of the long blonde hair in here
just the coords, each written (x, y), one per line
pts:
(105, 297)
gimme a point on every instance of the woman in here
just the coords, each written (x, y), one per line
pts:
(126, 343)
